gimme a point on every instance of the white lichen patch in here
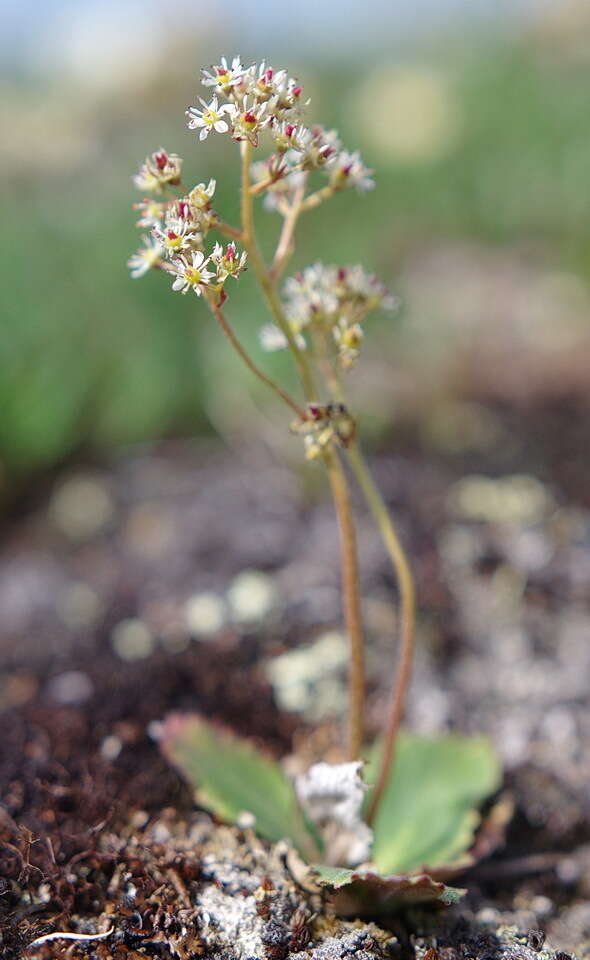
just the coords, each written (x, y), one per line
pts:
(310, 679)
(231, 921)
(332, 797)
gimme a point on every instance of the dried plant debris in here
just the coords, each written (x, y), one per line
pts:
(475, 939)
(178, 889)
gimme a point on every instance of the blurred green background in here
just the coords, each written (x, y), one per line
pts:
(479, 134)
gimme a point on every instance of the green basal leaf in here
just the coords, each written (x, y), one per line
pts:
(428, 815)
(368, 892)
(231, 777)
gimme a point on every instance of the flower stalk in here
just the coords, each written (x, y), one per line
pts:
(407, 592)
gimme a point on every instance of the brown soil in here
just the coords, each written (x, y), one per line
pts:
(80, 827)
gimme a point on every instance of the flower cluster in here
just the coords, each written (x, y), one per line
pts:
(255, 97)
(326, 424)
(248, 100)
(179, 228)
(335, 300)
(328, 302)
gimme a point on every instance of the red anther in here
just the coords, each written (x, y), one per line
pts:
(171, 235)
(183, 209)
(315, 411)
(297, 91)
(231, 252)
(268, 75)
(341, 274)
(346, 170)
(289, 130)
(161, 160)
(250, 117)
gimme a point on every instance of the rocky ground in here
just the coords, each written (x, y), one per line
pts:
(183, 578)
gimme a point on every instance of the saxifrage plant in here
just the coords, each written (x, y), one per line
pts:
(411, 823)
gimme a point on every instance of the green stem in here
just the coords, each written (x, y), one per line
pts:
(407, 616)
(242, 352)
(267, 286)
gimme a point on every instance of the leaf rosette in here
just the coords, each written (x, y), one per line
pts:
(428, 828)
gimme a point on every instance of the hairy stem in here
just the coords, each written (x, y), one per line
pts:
(227, 231)
(352, 607)
(236, 344)
(286, 244)
(407, 615)
(314, 199)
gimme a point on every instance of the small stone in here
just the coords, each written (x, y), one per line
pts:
(78, 606)
(251, 596)
(515, 499)
(132, 640)
(204, 614)
(17, 688)
(81, 507)
(111, 747)
(70, 688)
(245, 820)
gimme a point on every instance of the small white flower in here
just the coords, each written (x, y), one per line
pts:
(272, 338)
(201, 195)
(348, 170)
(157, 171)
(193, 275)
(210, 117)
(229, 264)
(318, 147)
(177, 236)
(249, 120)
(145, 259)
(151, 212)
(289, 136)
(223, 77)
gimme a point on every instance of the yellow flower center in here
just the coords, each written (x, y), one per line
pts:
(192, 276)
(210, 117)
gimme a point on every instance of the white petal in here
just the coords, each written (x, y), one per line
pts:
(220, 126)
(204, 133)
